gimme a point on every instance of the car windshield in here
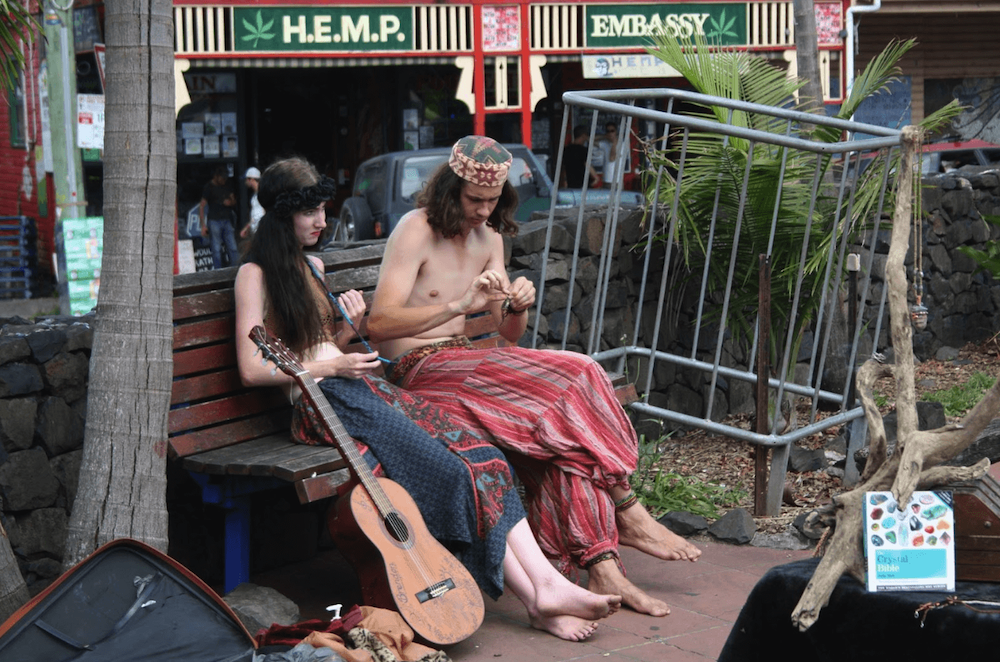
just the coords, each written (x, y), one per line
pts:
(414, 173)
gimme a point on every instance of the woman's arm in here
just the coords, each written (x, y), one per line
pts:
(249, 291)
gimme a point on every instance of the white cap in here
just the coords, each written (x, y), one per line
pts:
(252, 172)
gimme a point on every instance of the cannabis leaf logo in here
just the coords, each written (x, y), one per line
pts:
(259, 31)
(722, 27)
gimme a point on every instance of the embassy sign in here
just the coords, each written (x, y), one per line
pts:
(323, 28)
(632, 26)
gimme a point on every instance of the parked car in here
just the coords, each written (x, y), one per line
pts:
(386, 188)
(946, 156)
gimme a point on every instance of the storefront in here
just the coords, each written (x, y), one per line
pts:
(341, 83)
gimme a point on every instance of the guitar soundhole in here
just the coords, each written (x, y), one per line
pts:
(396, 527)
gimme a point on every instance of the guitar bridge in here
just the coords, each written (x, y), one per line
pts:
(435, 590)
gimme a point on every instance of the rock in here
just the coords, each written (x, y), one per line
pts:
(13, 348)
(789, 539)
(801, 460)
(59, 427)
(987, 444)
(258, 607)
(27, 481)
(683, 523)
(736, 526)
(42, 531)
(946, 354)
(17, 423)
(812, 533)
(46, 343)
(20, 379)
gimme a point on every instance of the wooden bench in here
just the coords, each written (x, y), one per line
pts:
(234, 440)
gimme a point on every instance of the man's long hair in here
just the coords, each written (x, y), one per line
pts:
(442, 199)
(276, 251)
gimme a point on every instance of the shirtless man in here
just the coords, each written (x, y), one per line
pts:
(554, 412)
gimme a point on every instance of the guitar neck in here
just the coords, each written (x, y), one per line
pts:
(344, 441)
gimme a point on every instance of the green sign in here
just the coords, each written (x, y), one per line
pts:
(323, 28)
(632, 26)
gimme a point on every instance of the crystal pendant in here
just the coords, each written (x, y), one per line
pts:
(918, 315)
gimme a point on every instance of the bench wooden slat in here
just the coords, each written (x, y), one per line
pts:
(295, 461)
(322, 486)
(202, 359)
(228, 434)
(208, 385)
(205, 331)
(233, 459)
(224, 409)
(203, 303)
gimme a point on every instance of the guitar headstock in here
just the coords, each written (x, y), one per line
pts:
(275, 351)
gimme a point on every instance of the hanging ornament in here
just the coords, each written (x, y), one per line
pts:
(918, 315)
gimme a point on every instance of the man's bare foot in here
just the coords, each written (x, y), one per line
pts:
(605, 577)
(638, 529)
(569, 628)
(561, 597)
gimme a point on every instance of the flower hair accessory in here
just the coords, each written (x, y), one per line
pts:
(480, 160)
(289, 202)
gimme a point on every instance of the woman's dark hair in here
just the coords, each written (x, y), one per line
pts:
(442, 199)
(275, 249)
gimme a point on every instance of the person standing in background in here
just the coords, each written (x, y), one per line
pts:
(252, 179)
(217, 210)
(575, 162)
(609, 144)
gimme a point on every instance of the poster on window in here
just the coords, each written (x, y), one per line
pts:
(501, 28)
(829, 23)
(90, 121)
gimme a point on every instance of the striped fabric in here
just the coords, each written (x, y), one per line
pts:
(556, 415)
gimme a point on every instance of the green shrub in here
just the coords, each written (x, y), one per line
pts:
(962, 397)
(663, 492)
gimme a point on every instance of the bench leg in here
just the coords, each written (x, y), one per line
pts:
(237, 543)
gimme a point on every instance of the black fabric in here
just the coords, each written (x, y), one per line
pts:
(216, 197)
(858, 626)
(575, 164)
(88, 619)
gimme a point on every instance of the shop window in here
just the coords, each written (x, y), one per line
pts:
(15, 107)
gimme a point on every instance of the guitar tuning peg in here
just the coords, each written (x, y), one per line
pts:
(274, 371)
(263, 360)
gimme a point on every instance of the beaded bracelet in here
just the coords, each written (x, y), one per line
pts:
(627, 501)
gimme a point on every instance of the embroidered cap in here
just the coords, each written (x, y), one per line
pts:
(480, 160)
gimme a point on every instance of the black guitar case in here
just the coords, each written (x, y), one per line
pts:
(126, 601)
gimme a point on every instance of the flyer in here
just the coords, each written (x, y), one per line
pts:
(910, 548)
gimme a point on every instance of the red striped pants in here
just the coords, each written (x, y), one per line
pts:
(556, 415)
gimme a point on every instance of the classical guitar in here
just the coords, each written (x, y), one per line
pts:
(417, 576)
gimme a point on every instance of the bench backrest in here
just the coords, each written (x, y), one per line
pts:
(210, 407)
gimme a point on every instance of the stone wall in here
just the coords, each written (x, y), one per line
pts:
(43, 388)
(43, 365)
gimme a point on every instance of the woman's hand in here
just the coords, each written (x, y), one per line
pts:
(353, 303)
(353, 366)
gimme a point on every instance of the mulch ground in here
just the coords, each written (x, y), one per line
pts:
(727, 462)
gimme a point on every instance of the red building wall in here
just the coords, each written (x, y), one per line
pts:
(18, 173)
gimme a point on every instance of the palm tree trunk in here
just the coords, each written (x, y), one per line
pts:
(807, 55)
(13, 591)
(122, 489)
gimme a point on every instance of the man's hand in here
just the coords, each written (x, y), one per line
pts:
(484, 290)
(521, 294)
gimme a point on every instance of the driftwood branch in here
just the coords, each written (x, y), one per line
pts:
(915, 464)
